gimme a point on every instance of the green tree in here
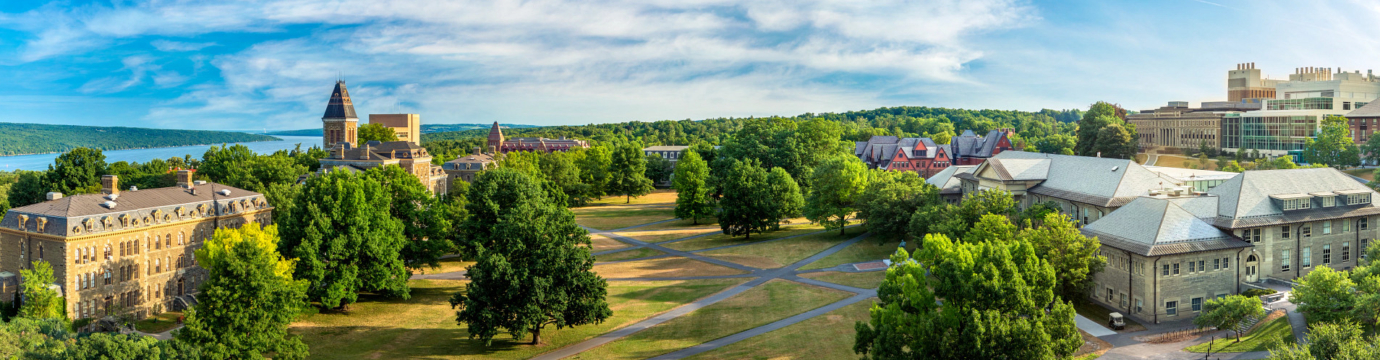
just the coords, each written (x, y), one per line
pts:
(29, 188)
(991, 227)
(594, 164)
(837, 184)
(746, 204)
(1230, 312)
(1331, 341)
(658, 169)
(994, 296)
(426, 229)
(376, 132)
(561, 173)
(534, 268)
(248, 300)
(1371, 150)
(1098, 116)
(1233, 166)
(345, 239)
(891, 198)
(1113, 141)
(1333, 146)
(1073, 256)
(1324, 295)
(40, 301)
(693, 198)
(628, 172)
(954, 221)
(77, 171)
(783, 196)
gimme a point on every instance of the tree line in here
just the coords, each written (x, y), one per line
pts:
(18, 139)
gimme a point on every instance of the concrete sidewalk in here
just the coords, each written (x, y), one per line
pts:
(1092, 327)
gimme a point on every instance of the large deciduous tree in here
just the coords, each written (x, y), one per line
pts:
(1333, 146)
(376, 132)
(425, 226)
(1073, 256)
(534, 267)
(994, 298)
(954, 221)
(1104, 129)
(40, 301)
(248, 300)
(1324, 295)
(891, 198)
(658, 169)
(693, 197)
(77, 171)
(836, 185)
(1230, 312)
(628, 172)
(746, 206)
(345, 239)
(783, 196)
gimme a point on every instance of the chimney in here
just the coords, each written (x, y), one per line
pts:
(184, 179)
(110, 185)
(364, 154)
(54, 195)
(476, 151)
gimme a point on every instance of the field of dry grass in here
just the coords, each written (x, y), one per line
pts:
(663, 267)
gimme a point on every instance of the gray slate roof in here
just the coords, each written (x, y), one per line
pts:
(1155, 227)
(340, 107)
(1245, 200)
(1103, 182)
(1370, 110)
(60, 216)
(947, 182)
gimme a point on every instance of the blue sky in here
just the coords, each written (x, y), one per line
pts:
(246, 64)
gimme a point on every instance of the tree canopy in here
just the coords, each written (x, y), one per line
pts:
(40, 301)
(838, 183)
(375, 132)
(891, 198)
(693, 198)
(1333, 146)
(628, 172)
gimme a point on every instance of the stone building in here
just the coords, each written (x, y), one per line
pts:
(1087, 188)
(340, 123)
(466, 167)
(409, 156)
(950, 186)
(499, 144)
(129, 251)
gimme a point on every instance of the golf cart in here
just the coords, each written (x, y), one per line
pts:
(1116, 322)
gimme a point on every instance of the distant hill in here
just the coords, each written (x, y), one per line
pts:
(22, 139)
(426, 129)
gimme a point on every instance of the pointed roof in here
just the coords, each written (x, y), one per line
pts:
(1155, 227)
(495, 135)
(340, 106)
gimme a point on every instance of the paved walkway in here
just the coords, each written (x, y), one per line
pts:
(761, 276)
(1092, 327)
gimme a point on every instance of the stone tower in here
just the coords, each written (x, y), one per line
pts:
(495, 139)
(340, 123)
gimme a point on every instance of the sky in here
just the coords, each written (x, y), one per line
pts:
(249, 64)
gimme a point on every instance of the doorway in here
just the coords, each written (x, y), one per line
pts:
(1251, 269)
(180, 290)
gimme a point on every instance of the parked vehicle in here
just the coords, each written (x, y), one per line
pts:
(1116, 322)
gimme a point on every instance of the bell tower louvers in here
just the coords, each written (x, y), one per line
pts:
(340, 122)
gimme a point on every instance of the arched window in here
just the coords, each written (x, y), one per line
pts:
(157, 265)
(108, 252)
(180, 235)
(167, 240)
(40, 251)
(156, 244)
(107, 276)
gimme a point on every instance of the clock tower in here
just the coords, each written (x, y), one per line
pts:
(340, 122)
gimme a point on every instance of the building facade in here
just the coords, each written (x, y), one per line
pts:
(671, 153)
(467, 167)
(409, 156)
(1178, 126)
(926, 158)
(408, 127)
(125, 251)
(340, 123)
(499, 144)
(1245, 83)
(1296, 112)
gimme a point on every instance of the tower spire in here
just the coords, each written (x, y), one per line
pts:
(339, 121)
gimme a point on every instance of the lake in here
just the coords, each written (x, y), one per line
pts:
(41, 161)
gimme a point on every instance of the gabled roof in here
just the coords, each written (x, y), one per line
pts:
(947, 182)
(340, 107)
(1370, 110)
(1245, 200)
(1097, 181)
(1020, 169)
(1155, 227)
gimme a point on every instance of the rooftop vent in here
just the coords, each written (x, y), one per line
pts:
(1154, 192)
(108, 204)
(112, 197)
(133, 188)
(54, 196)
(224, 192)
(1114, 168)
(199, 182)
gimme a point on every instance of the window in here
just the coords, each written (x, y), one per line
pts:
(1284, 260)
(156, 244)
(1329, 201)
(1306, 230)
(1284, 232)
(1346, 251)
(1226, 263)
(1123, 300)
(1327, 227)
(1307, 258)
(1346, 225)
(1109, 294)
(1171, 308)
(1197, 304)
(1176, 269)
(1139, 306)
(168, 240)
(1327, 254)
(1200, 266)
(1165, 270)
(1361, 224)
(107, 276)
(1357, 199)
(1216, 264)
(1190, 267)
(1297, 204)
(179, 238)
(1255, 235)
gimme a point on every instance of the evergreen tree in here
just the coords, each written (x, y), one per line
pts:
(628, 172)
(426, 228)
(693, 199)
(345, 239)
(746, 204)
(248, 300)
(836, 185)
(534, 267)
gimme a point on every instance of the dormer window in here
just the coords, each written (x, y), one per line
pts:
(1296, 204)
(1358, 199)
(1329, 201)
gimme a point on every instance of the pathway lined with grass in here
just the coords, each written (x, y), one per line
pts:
(759, 276)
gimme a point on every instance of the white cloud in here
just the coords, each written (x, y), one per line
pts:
(179, 46)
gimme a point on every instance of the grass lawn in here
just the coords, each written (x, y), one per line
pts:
(829, 336)
(1100, 314)
(158, 323)
(663, 196)
(723, 239)
(664, 267)
(869, 249)
(1368, 174)
(759, 306)
(780, 253)
(656, 236)
(706, 222)
(1261, 339)
(447, 265)
(618, 217)
(629, 254)
(862, 280)
(424, 325)
(602, 243)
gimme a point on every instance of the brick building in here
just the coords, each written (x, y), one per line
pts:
(499, 144)
(411, 157)
(124, 250)
(339, 124)
(923, 156)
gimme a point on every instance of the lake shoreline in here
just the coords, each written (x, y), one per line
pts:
(276, 138)
(40, 162)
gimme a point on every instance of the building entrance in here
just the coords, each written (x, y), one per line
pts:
(1251, 272)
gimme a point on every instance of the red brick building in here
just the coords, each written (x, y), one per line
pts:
(1363, 121)
(498, 144)
(926, 158)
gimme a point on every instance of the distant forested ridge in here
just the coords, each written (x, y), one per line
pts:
(1032, 128)
(426, 129)
(21, 139)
